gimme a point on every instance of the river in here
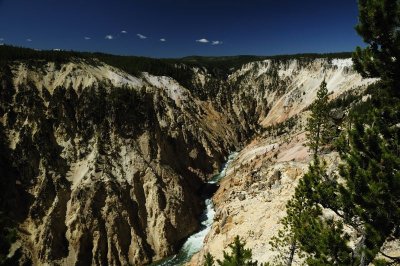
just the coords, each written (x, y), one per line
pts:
(195, 242)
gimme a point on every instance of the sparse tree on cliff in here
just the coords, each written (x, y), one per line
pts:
(239, 256)
(209, 260)
(317, 123)
(301, 210)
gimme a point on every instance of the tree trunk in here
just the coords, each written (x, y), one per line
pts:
(292, 249)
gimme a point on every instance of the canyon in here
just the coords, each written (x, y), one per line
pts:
(108, 167)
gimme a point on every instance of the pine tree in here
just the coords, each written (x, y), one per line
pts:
(302, 209)
(367, 198)
(209, 260)
(366, 195)
(379, 25)
(306, 234)
(286, 243)
(317, 123)
(239, 256)
(371, 194)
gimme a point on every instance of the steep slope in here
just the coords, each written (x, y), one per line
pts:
(275, 90)
(114, 163)
(251, 198)
(111, 165)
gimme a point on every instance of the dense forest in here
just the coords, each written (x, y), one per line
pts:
(178, 68)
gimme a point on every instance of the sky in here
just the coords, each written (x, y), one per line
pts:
(177, 28)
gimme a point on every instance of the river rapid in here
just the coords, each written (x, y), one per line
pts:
(195, 242)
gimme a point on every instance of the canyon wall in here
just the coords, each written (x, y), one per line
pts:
(252, 197)
(107, 168)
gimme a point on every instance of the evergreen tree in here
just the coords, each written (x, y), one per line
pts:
(379, 26)
(239, 255)
(367, 198)
(209, 260)
(286, 243)
(303, 209)
(317, 123)
(371, 193)
(306, 234)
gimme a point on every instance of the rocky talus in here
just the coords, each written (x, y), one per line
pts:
(107, 168)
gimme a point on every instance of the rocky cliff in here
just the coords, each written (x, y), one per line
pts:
(107, 167)
(113, 164)
(252, 197)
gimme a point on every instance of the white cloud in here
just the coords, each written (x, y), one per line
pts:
(163, 40)
(87, 38)
(1, 39)
(141, 36)
(28, 40)
(216, 42)
(109, 37)
(124, 32)
(203, 40)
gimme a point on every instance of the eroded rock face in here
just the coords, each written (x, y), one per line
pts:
(252, 197)
(113, 164)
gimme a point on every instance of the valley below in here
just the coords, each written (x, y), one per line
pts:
(104, 166)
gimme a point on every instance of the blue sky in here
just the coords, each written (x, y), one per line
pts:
(187, 27)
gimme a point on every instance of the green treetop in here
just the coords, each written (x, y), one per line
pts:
(317, 123)
(379, 26)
